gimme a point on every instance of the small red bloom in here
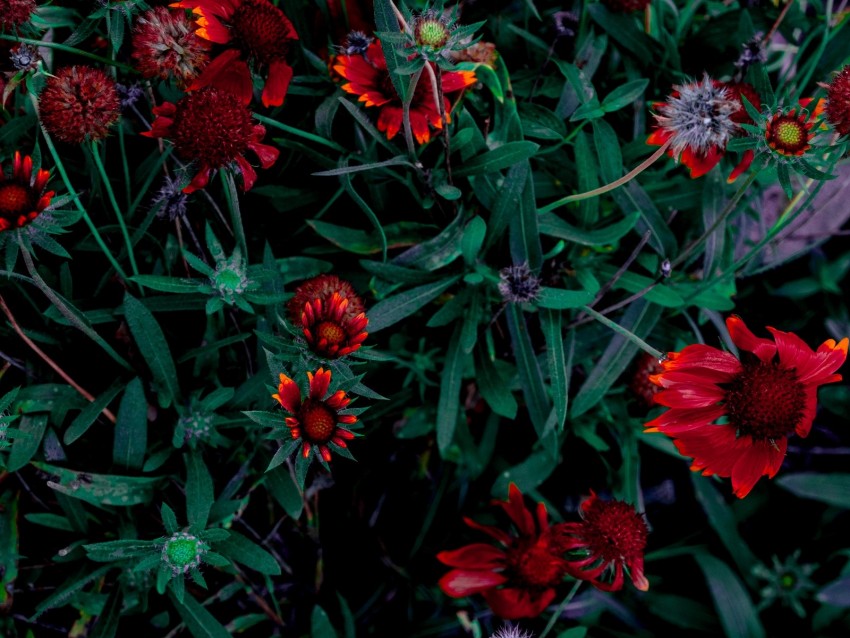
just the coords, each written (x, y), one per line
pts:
(838, 102)
(22, 195)
(331, 314)
(214, 129)
(15, 13)
(789, 133)
(369, 79)
(640, 385)
(518, 579)
(765, 396)
(608, 542)
(316, 419)
(256, 32)
(165, 45)
(626, 6)
(79, 103)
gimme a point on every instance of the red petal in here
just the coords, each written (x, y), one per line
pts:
(267, 154)
(463, 582)
(759, 459)
(319, 383)
(277, 83)
(390, 120)
(688, 395)
(714, 449)
(201, 179)
(676, 421)
(501, 536)
(700, 357)
(511, 603)
(289, 394)
(457, 80)
(764, 349)
(515, 508)
(475, 556)
(698, 164)
(742, 167)
(249, 175)
(227, 72)
(811, 367)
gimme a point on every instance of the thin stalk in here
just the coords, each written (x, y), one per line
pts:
(235, 212)
(44, 357)
(437, 80)
(408, 132)
(67, 49)
(111, 195)
(625, 179)
(640, 343)
(561, 609)
(299, 133)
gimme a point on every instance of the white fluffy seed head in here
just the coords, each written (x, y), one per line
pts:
(700, 117)
(511, 631)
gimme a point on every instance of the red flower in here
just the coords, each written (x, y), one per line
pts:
(368, 78)
(22, 196)
(767, 395)
(518, 579)
(682, 120)
(165, 45)
(15, 13)
(316, 419)
(626, 6)
(331, 315)
(79, 103)
(789, 133)
(257, 32)
(640, 385)
(838, 102)
(214, 129)
(608, 542)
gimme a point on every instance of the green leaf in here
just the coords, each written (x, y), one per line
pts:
(246, 552)
(492, 385)
(131, 428)
(320, 624)
(167, 284)
(68, 590)
(557, 299)
(393, 309)
(738, 615)
(554, 226)
(199, 621)
(473, 237)
(106, 625)
(31, 428)
(624, 95)
(89, 414)
(101, 489)
(507, 201)
(450, 383)
(832, 489)
(499, 158)
(8, 545)
(387, 23)
(524, 233)
(624, 31)
(346, 170)
(282, 487)
(550, 321)
(527, 475)
(530, 376)
(199, 491)
(153, 348)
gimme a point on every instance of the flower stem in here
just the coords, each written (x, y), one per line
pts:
(408, 132)
(65, 376)
(67, 49)
(561, 609)
(640, 343)
(299, 133)
(109, 192)
(649, 161)
(235, 212)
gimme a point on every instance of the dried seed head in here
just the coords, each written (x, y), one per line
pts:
(356, 43)
(24, 57)
(171, 198)
(752, 51)
(518, 284)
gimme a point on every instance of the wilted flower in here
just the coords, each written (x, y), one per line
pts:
(331, 314)
(24, 57)
(129, 94)
(765, 396)
(171, 199)
(23, 196)
(838, 102)
(213, 128)
(356, 43)
(517, 284)
(79, 103)
(752, 52)
(165, 45)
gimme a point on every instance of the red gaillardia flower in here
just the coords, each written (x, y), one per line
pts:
(789, 133)
(369, 78)
(214, 129)
(165, 45)
(331, 314)
(838, 102)
(606, 544)
(699, 119)
(79, 103)
(316, 419)
(763, 397)
(22, 195)
(517, 579)
(640, 385)
(257, 32)
(15, 13)
(626, 6)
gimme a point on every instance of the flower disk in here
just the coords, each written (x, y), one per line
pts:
(79, 103)
(838, 102)
(165, 45)
(22, 195)
(767, 395)
(788, 133)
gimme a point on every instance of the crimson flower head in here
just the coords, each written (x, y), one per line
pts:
(606, 544)
(16, 13)
(79, 103)
(699, 119)
(518, 577)
(369, 79)
(331, 315)
(789, 133)
(316, 420)
(640, 385)
(214, 129)
(626, 6)
(255, 32)
(765, 396)
(838, 102)
(165, 45)
(22, 194)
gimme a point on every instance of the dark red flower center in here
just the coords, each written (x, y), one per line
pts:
(262, 30)
(765, 401)
(788, 134)
(331, 331)
(15, 200)
(533, 564)
(613, 530)
(212, 127)
(317, 420)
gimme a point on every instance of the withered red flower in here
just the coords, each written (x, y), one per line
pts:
(518, 578)
(765, 396)
(369, 79)
(22, 194)
(838, 102)
(331, 315)
(165, 45)
(316, 420)
(606, 545)
(256, 32)
(79, 103)
(214, 129)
